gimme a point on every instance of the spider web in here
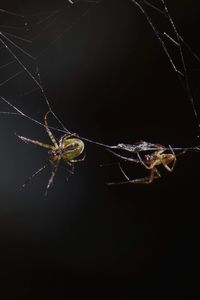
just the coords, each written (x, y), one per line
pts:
(24, 45)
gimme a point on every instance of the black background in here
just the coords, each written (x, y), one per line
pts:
(109, 80)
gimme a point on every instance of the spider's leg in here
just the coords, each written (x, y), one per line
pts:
(66, 136)
(50, 134)
(124, 157)
(156, 173)
(120, 167)
(70, 170)
(71, 164)
(53, 173)
(26, 140)
(33, 175)
(170, 169)
(146, 180)
(77, 160)
(182, 152)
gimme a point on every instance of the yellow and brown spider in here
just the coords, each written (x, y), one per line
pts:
(68, 148)
(150, 162)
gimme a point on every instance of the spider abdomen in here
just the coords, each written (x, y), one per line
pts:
(71, 148)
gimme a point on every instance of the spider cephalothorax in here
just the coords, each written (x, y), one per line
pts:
(67, 149)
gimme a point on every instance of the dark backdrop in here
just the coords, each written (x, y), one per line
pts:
(109, 80)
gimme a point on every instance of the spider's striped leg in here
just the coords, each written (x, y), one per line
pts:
(50, 134)
(26, 140)
(53, 173)
(77, 160)
(65, 137)
(70, 170)
(33, 175)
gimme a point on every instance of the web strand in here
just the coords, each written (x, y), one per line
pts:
(187, 85)
(182, 76)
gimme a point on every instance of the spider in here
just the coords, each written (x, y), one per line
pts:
(68, 148)
(150, 162)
